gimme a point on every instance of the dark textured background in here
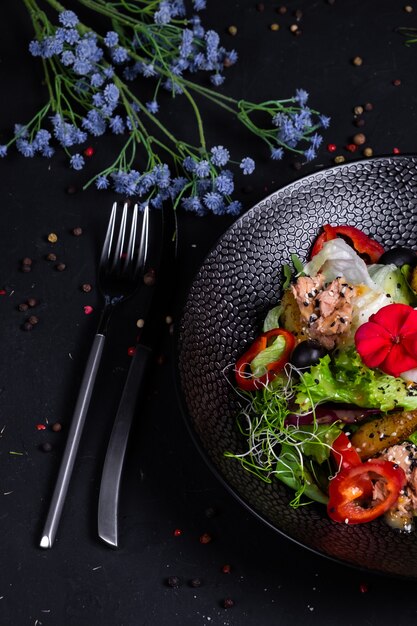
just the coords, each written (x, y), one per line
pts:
(167, 484)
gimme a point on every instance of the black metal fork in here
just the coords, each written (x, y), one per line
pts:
(121, 266)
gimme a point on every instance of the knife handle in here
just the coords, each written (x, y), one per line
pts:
(108, 503)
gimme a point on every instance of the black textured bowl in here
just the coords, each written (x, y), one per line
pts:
(237, 283)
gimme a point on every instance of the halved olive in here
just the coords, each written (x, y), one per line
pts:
(399, 256)
(307, 353)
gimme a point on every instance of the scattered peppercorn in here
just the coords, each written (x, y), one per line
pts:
(140, 323)
(363, 587)
(260, 7)
(359, 122)
(131, 351)
(57, 427)
(396, 150)
(51, 257)
(339, 159)
(27, 326)
(40, 427)
(282, 10)
(358, 110)
(27, 261)
(77, 231)
(297, 165)
(52, 238)
(226, 569)
(408, 8)
(25, 268)
(205, 538)
(396, 82)
(298, 14)
(293, 28)
(359, 139)
(32, 302)
(149, 278)
(298, 32)
(33, 320)
(351, 147)
(177, 532)
(358, 61)
(23, 306)
(232, 30)
(368, 106)
(88, 152)
(331, 147)
(195, 582)
(173, 581)
(368, 152)
(46, 447)
(210, 512)
(228, 603)
(60, 267)
(274, 26)
(86, 287)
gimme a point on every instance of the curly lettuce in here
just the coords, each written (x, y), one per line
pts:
(344, 378)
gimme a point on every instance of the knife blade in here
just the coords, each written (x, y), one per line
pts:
(162, 261)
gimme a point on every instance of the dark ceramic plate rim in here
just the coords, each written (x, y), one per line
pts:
(181, 396)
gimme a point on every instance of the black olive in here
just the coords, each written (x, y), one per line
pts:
(399, 256)
(307, 353)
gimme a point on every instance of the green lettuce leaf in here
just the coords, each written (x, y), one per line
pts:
(269, 354)
(272, 318)
(299, 478)
(391, 280)
(346, 379)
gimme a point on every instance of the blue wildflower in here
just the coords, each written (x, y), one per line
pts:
(70, 36)
(234, 208)
(96, 79)
(193, 204)
(25, 147)
(3, 151)
(146, 182)
(35, 48)
(117, 125)
(42, 139)
(67, 57)
(277, 154)
(162, 175)
(217, 79)
(48, 151)
(316, 140)
(301, 96)
(98, 99)
(230, 58)
(102, 182)
(310, 154)
(186, 47)
(111, 39)
(148, 70)
(202, 169)
(199, 5)
(189, 164)
(108, 71)
(213, 201)
(212, 42)
(219, 156)
(82, 67)
(163, 15)
(111, 93)
(77, 161)
(119, 55)
(324, 121)
(247, 165)
(224, 184)
(177, 185)
(94, 123)
(152, 106)
(68, 19)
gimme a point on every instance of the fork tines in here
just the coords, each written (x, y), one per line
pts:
(117, 257)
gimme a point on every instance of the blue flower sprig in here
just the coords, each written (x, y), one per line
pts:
(93, 83)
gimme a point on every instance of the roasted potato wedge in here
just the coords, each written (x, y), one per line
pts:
(373, 437)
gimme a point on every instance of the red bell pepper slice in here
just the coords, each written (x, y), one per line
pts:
(349, 498)
(363, 244)
(388, 340)
(343, 453)
(248, 382)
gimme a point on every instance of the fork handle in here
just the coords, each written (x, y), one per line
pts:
(108, 504)
(73, 440)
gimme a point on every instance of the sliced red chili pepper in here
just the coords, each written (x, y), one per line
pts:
(363, 244)
(244, 379)
(349, 499)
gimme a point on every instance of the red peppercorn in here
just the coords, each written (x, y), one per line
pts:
(363, 587)
(88, 152)
(226, 569)
(228, 603)
(2, 292)
(396, 150)
(205, 538)
(131, 351)
(331, 147)
(40, 427)
(177, 532)
(351, 147)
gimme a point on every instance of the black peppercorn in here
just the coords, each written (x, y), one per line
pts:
(32, 302)
(27, 261)
(46, 447)
(60, 267)
(228, 603)
(27, 326)
(195, 582)
(86, 287)
(33, 320)
(173, 581)
(57, 427)
(26, 268)
(51, 257)
(77, 231)
(23, 306)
